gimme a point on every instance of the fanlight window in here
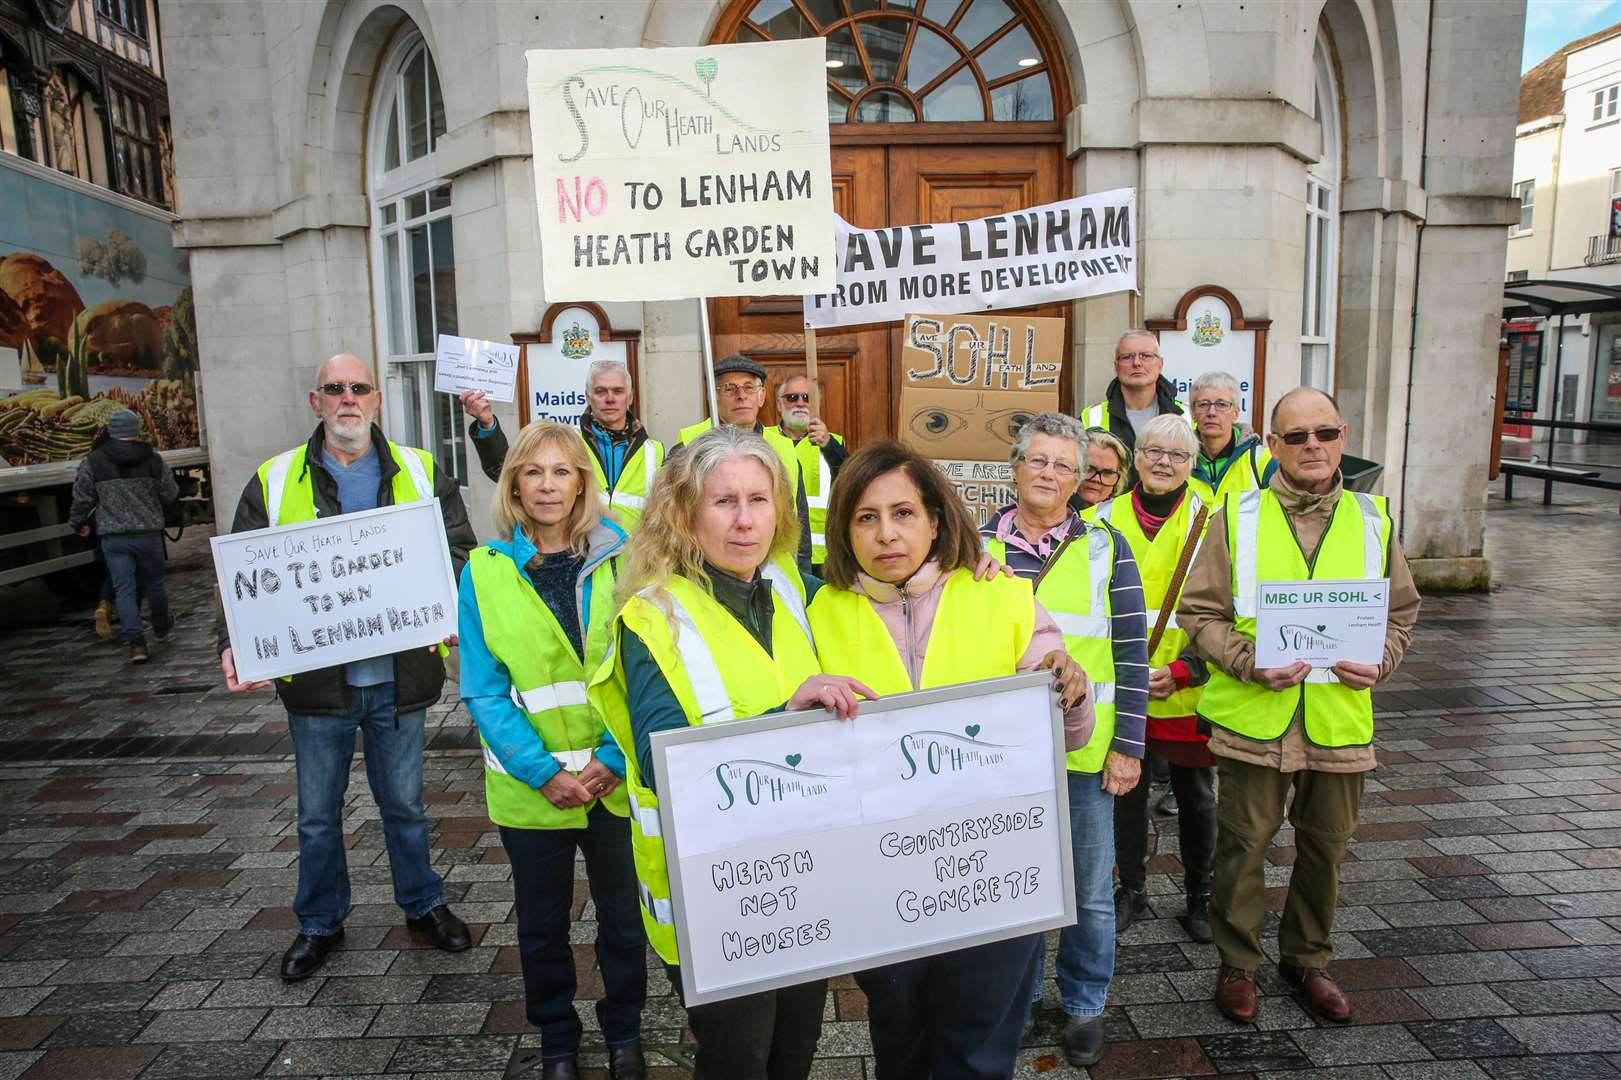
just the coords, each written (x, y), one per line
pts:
(905, 61)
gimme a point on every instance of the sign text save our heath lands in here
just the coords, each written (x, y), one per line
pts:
(664, 174)
(1059, 251)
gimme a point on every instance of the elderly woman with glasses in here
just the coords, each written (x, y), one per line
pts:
(1230, 459)
(1162, 519)
(1085, 575)
(1104, 474)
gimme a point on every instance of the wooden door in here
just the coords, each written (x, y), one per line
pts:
(874, 186)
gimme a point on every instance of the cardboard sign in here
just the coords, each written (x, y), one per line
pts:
(802, 847)
(1059, 251)
(1321, 622)
(326, 592)
(971, 381)
(662, 174)
(462, 363)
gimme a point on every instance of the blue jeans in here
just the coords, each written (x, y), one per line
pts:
(1086, 949)
(323, 749)
(135, 567)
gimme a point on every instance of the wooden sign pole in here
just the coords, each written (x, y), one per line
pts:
(709, 358)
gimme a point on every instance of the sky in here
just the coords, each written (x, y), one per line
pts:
(1550, 24)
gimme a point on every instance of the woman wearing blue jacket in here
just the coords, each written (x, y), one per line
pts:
(536, 610)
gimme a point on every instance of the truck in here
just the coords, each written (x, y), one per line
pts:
(96, 315)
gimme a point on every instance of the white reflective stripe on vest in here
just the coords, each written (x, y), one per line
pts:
(1100, 565)
(1087, 626)
(1322, 675)
(545, 698)
(573, 760)
(646, 818)
(419, 475)
(714, 703)
(819, 539)
(276, 483)
(493, 763)
(650, 454)
(1102, 693)
(1246, 590)
(1373, 552)
(620, 498)
(824, 469)
(661, 910)
(784, 591)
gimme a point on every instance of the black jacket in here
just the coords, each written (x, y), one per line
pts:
(126, 485)
(492, 446)
(1120, 423)
(419, 674)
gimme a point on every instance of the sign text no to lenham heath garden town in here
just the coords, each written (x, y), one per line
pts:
(664, 174)
(327, 592)
(801, 846)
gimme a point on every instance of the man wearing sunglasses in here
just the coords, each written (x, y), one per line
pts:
(347, 466)
(1291, 736)
(819, 453)
(1138, 392)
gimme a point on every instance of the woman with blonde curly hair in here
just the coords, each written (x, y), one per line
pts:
(536, 615)
(714, 629)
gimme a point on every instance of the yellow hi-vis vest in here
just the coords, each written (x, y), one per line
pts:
(981, 631)
(782, 444)
(629, 496)
(548, 685)
(1097, 416)
(1263, 547)
(1242, 475)
(818, 478)
(718, 672)
(290, 493)
(1076, 594)
(1156, 561)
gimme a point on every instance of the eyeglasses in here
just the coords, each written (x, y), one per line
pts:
(1128, 357)
(1159, 453)
(737, 389)
(1207, 405)
(1108, 476)
(336, 389)
(797, 398)
(1325, 435)
(1064, 469)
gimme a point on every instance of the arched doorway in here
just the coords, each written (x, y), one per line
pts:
(941, 110)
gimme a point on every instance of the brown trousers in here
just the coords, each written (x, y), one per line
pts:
(1249, 811)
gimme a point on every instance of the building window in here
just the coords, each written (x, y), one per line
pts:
(1605, 102)
(413, 255)
(1518, 275)
(135, 146)
(1320, 275)
(1526, 192)
(902, 62)
(127, 15)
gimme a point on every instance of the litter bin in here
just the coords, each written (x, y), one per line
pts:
(1360, 474)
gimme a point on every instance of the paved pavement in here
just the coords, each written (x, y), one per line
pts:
(147, 857)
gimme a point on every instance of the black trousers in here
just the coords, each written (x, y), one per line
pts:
(956, 1016)
(543, 888)
(766, 1036)
(1195, 822)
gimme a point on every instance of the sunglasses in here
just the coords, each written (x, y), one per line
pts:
(1325, 435)
(336, 389)
(797, 398)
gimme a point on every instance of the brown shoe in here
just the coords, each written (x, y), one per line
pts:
(1316, 990)
(1235, 994)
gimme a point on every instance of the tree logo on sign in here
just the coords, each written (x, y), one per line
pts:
(706, 69)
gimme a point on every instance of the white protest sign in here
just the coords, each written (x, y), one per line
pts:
(801, 847)
(1060, 251)
(462, 363)
(327, 592)
(1321, 622)
(663, 174)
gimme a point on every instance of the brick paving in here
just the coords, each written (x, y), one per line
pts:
(147, 857)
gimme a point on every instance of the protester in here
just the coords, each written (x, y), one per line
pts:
(624, 457)
(1086, 578)
(1138, 392)
(1229, 459)
(819, 452)
(712, 586)
(536, 614)
(347, 466)
(902, 610)
(1292, 735)
(1164, 521)
(125, 485)
(1107, 462)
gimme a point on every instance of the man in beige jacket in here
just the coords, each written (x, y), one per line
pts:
(1289, 735)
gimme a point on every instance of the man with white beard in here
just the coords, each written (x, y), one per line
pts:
(819, 451)
(345, 467)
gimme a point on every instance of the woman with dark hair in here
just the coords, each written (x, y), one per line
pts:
(901, 610)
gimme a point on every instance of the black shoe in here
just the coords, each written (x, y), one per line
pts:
(161, 632)
(528, 1064)
(306, 954)
(443, 929)
(626, 1062)
(1128, 904)
(137, 652)
(1166, 807)
(1197, 921)
(1083, 1040)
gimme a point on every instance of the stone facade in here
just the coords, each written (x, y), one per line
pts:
(1206, 106)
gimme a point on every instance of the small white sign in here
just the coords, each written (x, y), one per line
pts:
(11, 368)
(462, 364)
(801, 846)
(335, 590)
(1321, 622)
(1211, 344)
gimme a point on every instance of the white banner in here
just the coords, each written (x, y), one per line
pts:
(1060, 251)
(664, 174)
(462, 363)
(801, 847)
(327, 592)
